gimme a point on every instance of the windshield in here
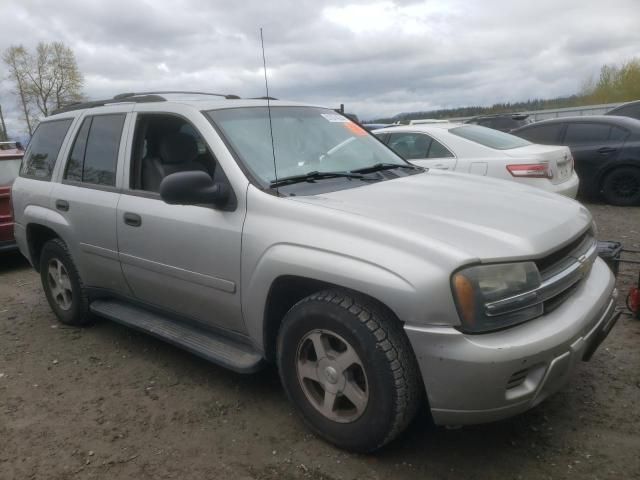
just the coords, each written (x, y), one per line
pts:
(9, 170)
(489, 137)
(305, 140)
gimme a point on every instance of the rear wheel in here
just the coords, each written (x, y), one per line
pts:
(62, 284)
(622, 186)
(349, 370)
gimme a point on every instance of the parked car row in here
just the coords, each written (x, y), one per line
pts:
(251, 233)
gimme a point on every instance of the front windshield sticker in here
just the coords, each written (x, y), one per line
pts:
(355, 129)
(334, 117)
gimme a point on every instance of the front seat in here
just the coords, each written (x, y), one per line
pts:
(177, 152)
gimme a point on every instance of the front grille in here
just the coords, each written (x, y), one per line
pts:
(566, 268)
(563, 258)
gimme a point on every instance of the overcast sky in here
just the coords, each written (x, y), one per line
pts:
(379, 58)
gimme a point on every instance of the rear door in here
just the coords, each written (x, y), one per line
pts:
(594, 146)
(88, 195)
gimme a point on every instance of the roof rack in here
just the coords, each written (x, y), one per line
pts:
(100, 103)
(228, 96)
(137, 97)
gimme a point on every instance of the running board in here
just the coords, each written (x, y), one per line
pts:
(197, 340)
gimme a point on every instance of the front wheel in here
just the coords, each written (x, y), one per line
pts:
(622, 187)
(349, 370)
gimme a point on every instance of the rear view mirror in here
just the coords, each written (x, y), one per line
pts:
(193, 188)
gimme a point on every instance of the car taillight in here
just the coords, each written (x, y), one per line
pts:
(530, 170)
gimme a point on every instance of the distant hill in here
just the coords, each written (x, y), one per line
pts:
(536, 104)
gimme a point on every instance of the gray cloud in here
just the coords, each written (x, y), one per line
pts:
(379, 58)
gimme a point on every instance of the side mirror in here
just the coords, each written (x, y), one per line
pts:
(193, 188)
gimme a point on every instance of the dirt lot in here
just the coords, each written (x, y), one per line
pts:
(107, 402)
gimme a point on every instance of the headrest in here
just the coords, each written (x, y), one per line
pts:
(178, 148)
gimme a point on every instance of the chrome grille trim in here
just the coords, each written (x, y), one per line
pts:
(579, 266)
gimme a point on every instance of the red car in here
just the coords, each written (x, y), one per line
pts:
(11, 154)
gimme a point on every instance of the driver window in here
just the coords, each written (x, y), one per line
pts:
(166, 144)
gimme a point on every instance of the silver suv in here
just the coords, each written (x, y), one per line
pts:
(250, 233)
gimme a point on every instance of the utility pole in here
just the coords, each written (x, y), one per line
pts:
(3, 133)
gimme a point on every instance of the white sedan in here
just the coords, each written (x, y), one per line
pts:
(479, 150)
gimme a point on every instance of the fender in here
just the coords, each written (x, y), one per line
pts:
(290, 259)
(38, 215)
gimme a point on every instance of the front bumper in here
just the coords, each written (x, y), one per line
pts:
(481, 378)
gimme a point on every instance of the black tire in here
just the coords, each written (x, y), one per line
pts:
(394, 385)
(621, 187)
(77, 313)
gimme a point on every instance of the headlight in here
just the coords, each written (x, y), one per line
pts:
(484, 295)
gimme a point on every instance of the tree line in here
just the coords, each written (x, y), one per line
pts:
(613, 84)
(42, 80)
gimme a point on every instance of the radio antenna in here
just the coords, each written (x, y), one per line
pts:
(266, 86)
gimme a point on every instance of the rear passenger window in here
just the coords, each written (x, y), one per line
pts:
(76, 158)
(586, 133)
(94, 155)
(40, 157)
(437, 150)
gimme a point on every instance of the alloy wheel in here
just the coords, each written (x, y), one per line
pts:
(59, 284)
(332, 376)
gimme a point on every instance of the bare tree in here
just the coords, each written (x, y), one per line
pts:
(16, 58)
(45, 80)
(54, 77)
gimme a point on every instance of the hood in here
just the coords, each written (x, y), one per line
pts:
(481, 218)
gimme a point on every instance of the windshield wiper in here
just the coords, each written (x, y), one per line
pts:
(311, 177)
(384, 166)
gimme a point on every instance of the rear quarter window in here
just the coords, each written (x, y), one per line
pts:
(41, 155)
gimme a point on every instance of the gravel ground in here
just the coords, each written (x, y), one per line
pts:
(107, 402)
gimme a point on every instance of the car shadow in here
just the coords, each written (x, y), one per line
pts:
(12, 261)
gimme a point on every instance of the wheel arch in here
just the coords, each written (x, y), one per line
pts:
(287, 290)
(42, 225)
(602, 174)
(37, 236)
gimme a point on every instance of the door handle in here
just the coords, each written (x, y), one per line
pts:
(605, 150)
(62, 205)
(132, 219)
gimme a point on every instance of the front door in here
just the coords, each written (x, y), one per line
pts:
(183, 259)
(423, 150)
